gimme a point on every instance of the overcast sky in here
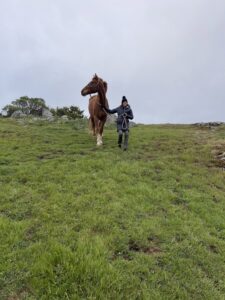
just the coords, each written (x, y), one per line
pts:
(166, 56)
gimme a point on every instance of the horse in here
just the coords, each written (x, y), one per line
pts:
(96, 106)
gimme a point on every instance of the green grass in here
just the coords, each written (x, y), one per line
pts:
(81, 222)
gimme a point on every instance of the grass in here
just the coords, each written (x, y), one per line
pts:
(81, 222)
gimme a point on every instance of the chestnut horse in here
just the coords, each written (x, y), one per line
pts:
(98, 115)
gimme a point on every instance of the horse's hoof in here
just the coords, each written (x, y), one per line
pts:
(99, 143)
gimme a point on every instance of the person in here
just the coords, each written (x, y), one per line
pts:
(125, 114)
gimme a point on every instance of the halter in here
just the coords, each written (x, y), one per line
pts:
(91, 83)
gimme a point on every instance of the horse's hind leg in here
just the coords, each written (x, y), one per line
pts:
(101, 127)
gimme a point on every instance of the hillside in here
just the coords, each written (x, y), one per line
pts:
(81, 222)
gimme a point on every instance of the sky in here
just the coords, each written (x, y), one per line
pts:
(166, 56)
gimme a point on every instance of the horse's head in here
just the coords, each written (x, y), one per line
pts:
(93, 86)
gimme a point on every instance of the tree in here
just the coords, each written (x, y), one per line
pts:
(29, 106)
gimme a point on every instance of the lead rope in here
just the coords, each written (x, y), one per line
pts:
(109, 115)
(124, 123)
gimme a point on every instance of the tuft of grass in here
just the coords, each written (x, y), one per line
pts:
(82, 222)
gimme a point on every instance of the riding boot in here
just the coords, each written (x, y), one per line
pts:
(126, 140)
(120, 138)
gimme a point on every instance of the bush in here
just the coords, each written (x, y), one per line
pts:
(72, 112)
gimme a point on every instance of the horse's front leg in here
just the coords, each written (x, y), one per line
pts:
(92, 125)
(101, 127)
(99, 133)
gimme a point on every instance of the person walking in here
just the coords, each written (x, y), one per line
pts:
(125, 114)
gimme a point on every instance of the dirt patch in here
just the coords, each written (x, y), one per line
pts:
(82, 153)
(151, 250)
(133, 246)
(123, 254)
(180, 201)
(22, 294)
(215, 199)
(16, 215)
(31, 233)
(213, 248)
(50, 155)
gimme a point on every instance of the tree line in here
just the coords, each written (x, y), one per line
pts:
(35, 106)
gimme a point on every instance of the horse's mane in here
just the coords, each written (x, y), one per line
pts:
(105, 85)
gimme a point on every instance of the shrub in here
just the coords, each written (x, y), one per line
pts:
(72, 112)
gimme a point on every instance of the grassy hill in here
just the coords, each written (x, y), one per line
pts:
(81, 222)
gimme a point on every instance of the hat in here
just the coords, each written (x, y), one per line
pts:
(124, 99)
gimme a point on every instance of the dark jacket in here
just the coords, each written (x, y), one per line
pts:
(124, 115)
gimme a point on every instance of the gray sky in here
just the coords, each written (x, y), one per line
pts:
(166, 56)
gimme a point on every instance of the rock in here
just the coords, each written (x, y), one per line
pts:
(220, 158)
(209, 124)
(47, 114)
(35, 119)
(215, 124)
(64, 118)
(18, 114)
(111, 119)
(132, 124)
(221, 155)
(4, 113)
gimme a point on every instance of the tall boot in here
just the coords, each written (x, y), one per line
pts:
(126, 140)
(120, 138)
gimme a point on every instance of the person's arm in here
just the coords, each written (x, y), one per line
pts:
(110, 111)
(130, 114)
